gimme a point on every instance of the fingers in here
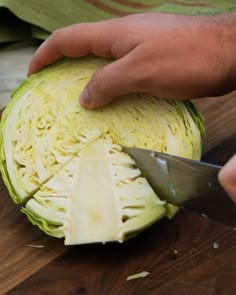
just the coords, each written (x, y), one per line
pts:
(102, 39)
(227, 178)
(117, 78)
(76, 40)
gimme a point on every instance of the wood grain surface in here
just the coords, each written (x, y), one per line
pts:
(220, 119)
(179, 254)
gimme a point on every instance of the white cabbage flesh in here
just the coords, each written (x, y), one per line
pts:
(96, 198)
(66, 164)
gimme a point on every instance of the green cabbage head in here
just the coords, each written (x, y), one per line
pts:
(66, 166)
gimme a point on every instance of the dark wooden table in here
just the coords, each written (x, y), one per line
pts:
(179, 254)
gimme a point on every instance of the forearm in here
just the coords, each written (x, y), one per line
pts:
(226, 24)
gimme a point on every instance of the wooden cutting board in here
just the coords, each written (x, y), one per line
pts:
(179, 254)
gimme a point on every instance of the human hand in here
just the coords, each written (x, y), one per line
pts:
(170, 56)
(227, 177)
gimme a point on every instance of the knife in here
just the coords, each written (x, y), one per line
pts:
(186, 183)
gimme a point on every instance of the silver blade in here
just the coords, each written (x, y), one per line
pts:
(186, 183)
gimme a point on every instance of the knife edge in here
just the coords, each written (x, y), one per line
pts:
(186, 183)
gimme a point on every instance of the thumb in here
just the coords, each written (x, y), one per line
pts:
(115, 79)
(227, 177)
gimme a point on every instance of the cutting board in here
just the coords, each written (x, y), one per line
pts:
(188, 255)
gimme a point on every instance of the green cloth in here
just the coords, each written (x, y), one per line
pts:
(22, 20)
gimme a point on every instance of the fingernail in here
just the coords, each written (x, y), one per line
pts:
(85, 99)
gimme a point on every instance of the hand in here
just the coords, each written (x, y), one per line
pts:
(171, 56)
(227, 178)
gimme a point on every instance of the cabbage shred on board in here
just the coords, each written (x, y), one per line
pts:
(66, 166)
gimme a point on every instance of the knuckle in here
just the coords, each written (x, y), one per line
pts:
(56, 38)
(60, 39)
(57, 35)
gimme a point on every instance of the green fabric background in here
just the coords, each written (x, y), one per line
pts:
(25, 20)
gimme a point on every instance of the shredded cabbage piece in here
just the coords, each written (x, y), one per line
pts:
(140, 275)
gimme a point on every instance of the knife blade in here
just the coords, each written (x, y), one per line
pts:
(186, 183)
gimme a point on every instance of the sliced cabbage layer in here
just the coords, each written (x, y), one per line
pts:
(44, 126)
(98, 196)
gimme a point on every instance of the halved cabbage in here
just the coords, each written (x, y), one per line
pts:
(66, 164)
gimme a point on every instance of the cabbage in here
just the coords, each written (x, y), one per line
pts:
(66, 165)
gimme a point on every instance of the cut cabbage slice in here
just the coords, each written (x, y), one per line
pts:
(98, 196)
